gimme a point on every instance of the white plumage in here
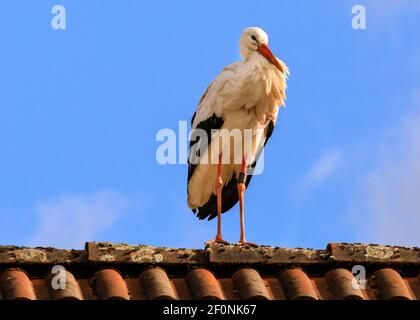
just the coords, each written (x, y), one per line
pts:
(245, 95)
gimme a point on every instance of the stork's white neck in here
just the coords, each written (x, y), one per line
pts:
(254, 58)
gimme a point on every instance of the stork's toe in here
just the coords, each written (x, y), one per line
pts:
(218, 240)
(247, 243)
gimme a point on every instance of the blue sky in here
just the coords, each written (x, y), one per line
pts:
(80, 109)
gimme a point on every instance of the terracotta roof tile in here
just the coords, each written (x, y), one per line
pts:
(249, 285)
(343, 285)
(15, 284)
(156, 284)
(109, 285)
(390, 285)
(69, 291)
(297, 285)
(203, 285)
(119, 271)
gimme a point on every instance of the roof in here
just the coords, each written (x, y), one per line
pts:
(120, 271)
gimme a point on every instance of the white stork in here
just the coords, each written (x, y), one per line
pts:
(245, 95)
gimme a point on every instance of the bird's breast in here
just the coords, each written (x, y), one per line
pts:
(263, 86)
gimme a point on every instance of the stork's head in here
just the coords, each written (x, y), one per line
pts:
(255, 39)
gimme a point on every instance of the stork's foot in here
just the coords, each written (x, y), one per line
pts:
(217, 240)
(247, 243)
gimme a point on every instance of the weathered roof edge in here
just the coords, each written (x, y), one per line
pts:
(114, 253)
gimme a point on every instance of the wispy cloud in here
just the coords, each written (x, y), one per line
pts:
(71, 220)
(324, 167)
(321, 170)
(389, 201)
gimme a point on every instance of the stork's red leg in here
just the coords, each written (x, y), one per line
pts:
(241, 194)
(219, 187)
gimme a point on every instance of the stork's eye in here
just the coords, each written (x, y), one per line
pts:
(254, 38)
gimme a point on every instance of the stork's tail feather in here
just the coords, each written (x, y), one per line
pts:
(229, 199)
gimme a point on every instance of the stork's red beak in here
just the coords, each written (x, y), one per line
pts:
(266, 52)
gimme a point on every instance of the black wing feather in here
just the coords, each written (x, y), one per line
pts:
(212, 123)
